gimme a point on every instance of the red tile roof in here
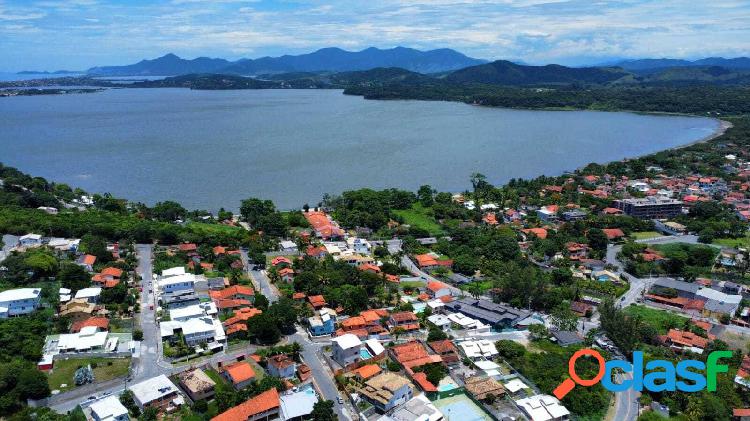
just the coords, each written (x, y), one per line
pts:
(539, 232)
(367, 371)
(99, 322)
(317, 300)
(613, 233)
(436, 286)
(264, 402)
(240, 371)
(404, 316)
(187, 247)
(231, 292)
(88, 260)
(421, 380)
(112, 271)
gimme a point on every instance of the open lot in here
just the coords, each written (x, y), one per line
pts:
(104, 369)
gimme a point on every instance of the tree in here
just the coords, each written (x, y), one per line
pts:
(96, 246)
(323, 411)
(264, 328)
(283, 313)
(509, 349)
(137, 335)
(168, 211)
(32, 384)
(597, 239)
(252, 210)
(73, 277)
(127, 400)
(424, 195)
(261, 302)
(436, 334)
(538, 331)
(563, 318)
(150, 414)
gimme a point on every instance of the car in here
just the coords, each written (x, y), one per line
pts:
(151, 307)
(339, 400)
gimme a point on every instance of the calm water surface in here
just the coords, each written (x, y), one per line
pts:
(208, 149)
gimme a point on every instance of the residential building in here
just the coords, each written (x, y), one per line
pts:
(266, 406)
(108, 409)
(418, 408)
(323, 324)
(297, 405)
(650, 207)
(197, 384)
(88, 339)
(386, 391)
(287, 246)
(16, 302)
(197, 330)
(478, 350)
(177, 283)
(447, 351)
(437, 289)
(30, 240)
(482, 387)
(240, 374)
(158, 392)
(87, 262)
(281, 366)
(346, 349)
(543, 408)
(89, 294)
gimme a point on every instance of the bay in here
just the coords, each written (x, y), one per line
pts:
(207, 149)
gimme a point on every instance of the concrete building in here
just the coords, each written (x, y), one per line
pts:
(297, 405)
(197, 384)
(650, 207)
(157, 392)
(543, 408)
(419, 408)
(386, 391)
(16, 302)
(346, 349)
(282, 366)
(108, 409)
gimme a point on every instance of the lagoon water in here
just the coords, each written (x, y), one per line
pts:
(208, 149)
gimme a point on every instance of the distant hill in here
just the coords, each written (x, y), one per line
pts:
(504, 72)
(326, 59)
(167, 65)
(646, 65)
(208, 82)
(698, 74)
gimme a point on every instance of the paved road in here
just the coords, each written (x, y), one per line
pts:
(626, 402)
(311, 351)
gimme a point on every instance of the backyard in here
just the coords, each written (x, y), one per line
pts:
(104, 369)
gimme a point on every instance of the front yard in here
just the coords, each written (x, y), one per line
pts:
(104, 369)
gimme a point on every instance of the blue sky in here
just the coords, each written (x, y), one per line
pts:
(77, 34)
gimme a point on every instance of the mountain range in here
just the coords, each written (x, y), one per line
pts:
(326, 59)
(651, 64)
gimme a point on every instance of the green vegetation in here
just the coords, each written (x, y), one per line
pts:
(421, 218)
(646, 235)
(661, 320)
(104, 369)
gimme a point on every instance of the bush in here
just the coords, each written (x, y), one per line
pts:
(137, 335)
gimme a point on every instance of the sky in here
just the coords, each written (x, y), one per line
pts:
(78, 34)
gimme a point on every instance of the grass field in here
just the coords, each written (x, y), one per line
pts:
(661, 320)
(420, 217)
(734, 242)
(646, 234)
(64, 370)
(202, 228)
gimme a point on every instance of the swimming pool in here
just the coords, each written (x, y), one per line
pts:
(419, 307)
(445, 387)
(461, 408)
(364, 354)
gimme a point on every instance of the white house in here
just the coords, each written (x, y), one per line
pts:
(346, 349)
(287, 246)
(478, 350)
(175, 271)
(157, 392)
(440, 321)
(15, 302)
(543, 408)
(184, 282)
(109, 409)
(359, 245)
(198, 330)
(87, 340)
(30, 240)
(89, 294)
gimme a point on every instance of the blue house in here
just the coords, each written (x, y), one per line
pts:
(323, 324)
